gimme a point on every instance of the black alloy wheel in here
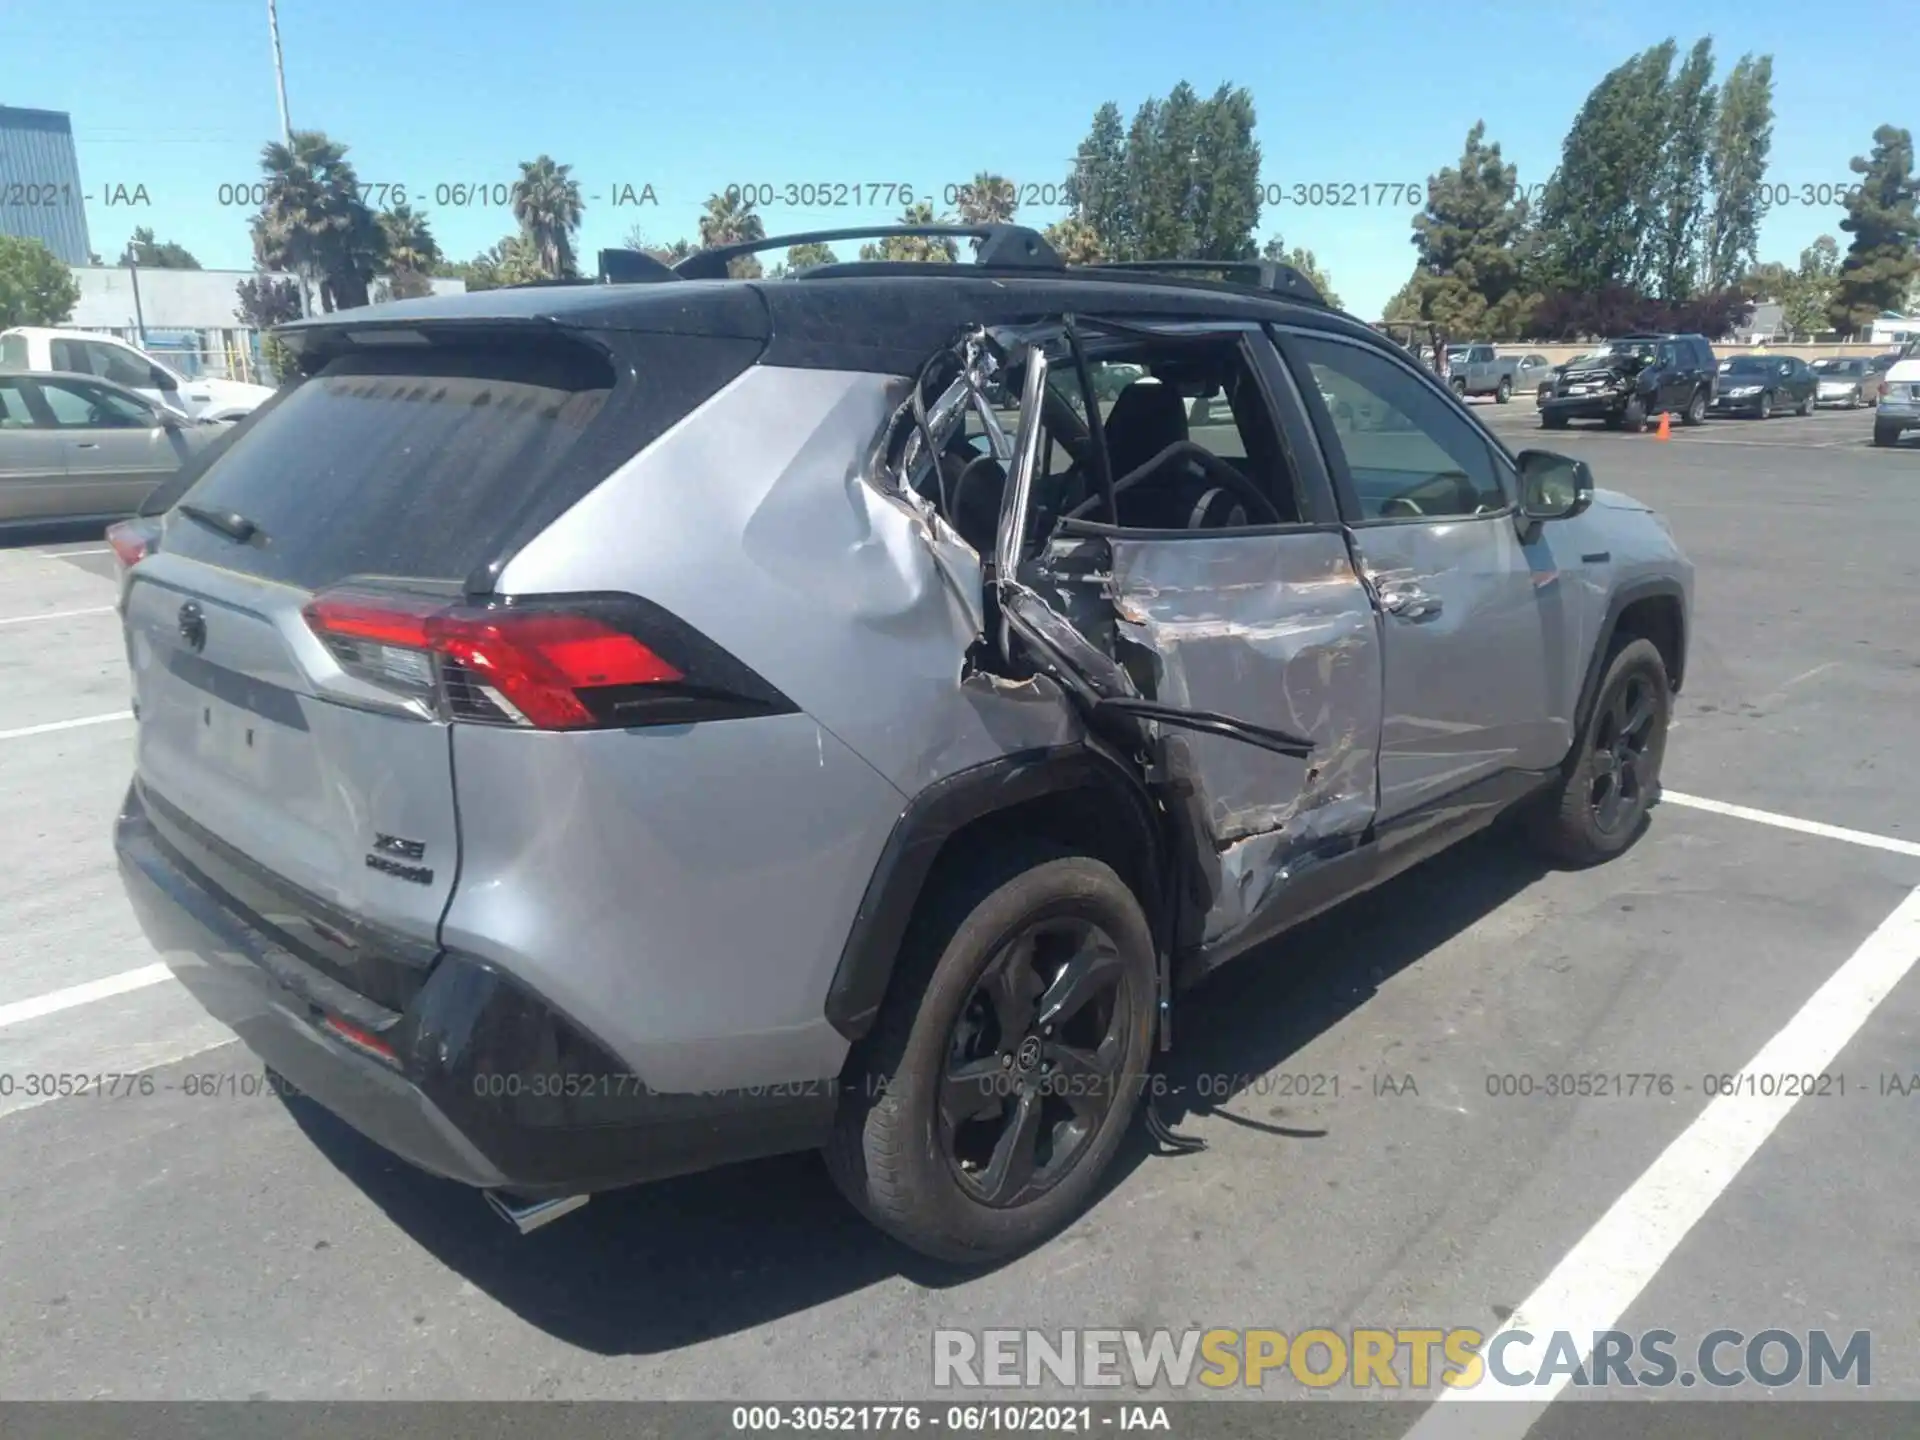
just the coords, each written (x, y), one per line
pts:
(1033, 1061)
(1622, 747)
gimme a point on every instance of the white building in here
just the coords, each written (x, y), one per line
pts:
(189, 317)
(1893, 329)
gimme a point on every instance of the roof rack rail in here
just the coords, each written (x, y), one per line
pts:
(632, 267)
(1261, 274)
(1006, 247)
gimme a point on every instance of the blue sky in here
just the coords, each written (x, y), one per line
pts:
(687, 98)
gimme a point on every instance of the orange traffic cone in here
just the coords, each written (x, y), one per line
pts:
(1665, 432)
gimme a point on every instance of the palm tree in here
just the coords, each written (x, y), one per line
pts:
(546, 202)
(938, 249)
(412, 252)
(314, 222)
(988, 200)
(637, 239)
(1076, 241)
(732, 220)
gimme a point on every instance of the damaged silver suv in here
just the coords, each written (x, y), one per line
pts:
(592, 733)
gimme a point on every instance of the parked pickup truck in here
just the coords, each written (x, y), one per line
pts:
(1477, 370)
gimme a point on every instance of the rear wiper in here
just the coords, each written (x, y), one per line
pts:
(231, 523)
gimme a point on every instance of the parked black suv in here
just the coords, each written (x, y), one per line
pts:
(1629, 380)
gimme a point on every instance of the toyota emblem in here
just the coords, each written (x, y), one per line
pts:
(193, 626)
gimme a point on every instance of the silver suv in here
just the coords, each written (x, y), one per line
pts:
(598, 732)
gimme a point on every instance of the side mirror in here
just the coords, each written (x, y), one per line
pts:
(162, 380)
(1553, 487)
(167, 420)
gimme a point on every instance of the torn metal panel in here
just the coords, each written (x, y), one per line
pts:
(1279, 631)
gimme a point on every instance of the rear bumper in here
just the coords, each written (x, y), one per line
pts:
(487, 1084)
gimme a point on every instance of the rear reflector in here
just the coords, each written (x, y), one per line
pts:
(550, 663)
(131, 541)
(362, 1040)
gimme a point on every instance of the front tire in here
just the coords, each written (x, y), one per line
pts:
(1613, 776)
(1551, 421)
(998, 1082)
(1764, 410)
(1633, 415)
(1884, 434)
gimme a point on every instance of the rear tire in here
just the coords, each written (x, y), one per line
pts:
(1696, 412)
(1885, 434)
(1505, 392)
(926, 1167)
(1597, 809)
(1460, 388)
(1806, 407)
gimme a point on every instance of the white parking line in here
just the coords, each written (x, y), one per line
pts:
(53, 725)
(1614, 1261)
(57, 615)
(1789, 822)
(69, 554)
(86, 994)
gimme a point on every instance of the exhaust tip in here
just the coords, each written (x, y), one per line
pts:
(527, 1216)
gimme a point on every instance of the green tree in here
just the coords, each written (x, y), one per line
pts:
(1167, 221)
(267, 301)
(1469, 278)
(1075, 241)
(1137, 182)
(546, 202)
(1097, 188)
(1671, 258)
(144, 250)
(1881, 261)
(669, 254)
(1736, 165)
(730, 219)
(1225, 187)
(805, 257)
(314, 223)
(937, 249)
(412, 252)
(512, 260)
(1306, 263)
(35, 287)
(1805, 294)
(1601, 200)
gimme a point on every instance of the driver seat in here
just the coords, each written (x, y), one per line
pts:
(1146, 418)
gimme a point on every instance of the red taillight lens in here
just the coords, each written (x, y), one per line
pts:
(131, 540)
(548, 666)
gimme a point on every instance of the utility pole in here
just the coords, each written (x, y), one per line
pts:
(286, 125)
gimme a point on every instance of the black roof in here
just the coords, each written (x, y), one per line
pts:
(886, 316)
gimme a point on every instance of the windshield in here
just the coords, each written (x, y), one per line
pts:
(1839, 367)
(1744, 365)
(1638, 349)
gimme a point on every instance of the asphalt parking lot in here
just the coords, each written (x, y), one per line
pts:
(226, 1245)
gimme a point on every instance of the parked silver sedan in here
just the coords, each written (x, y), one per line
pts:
(1529, 372)
(76, 447)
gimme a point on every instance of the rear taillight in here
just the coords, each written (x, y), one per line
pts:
(132, 541)
(551, 663)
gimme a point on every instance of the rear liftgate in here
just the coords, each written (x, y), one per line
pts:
(1147, 633)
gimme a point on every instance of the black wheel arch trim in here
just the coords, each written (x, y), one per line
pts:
(1629, 594)
(937, 813)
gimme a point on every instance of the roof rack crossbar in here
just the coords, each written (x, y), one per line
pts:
(1262, 274)
(1007, 247)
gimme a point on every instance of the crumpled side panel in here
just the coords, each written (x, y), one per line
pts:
(1279, 631)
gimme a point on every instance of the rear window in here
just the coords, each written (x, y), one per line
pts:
(425, 462)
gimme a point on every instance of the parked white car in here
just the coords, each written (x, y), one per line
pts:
(82, 352)
(1899, 408)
